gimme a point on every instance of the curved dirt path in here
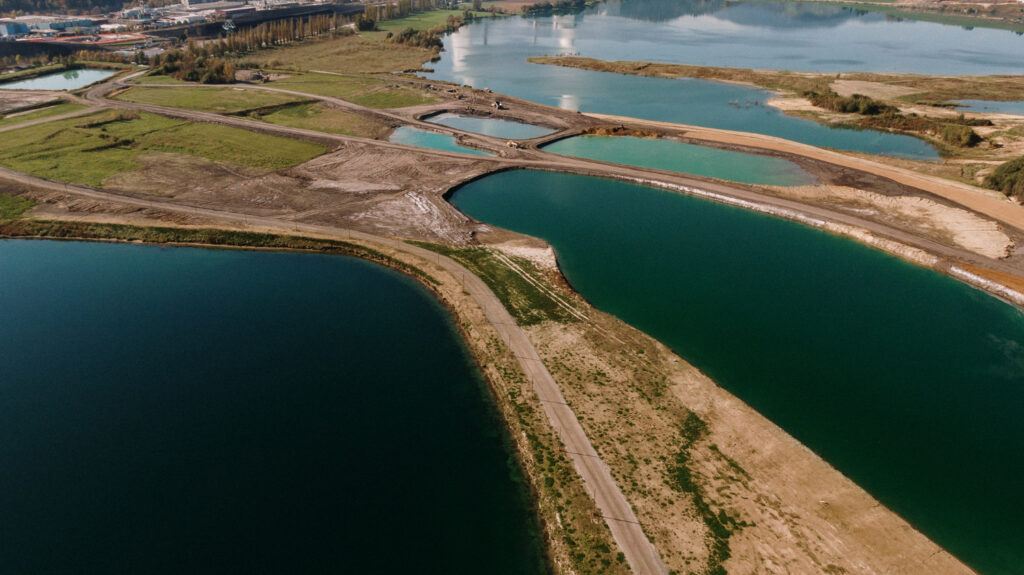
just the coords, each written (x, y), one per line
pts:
(643, 558)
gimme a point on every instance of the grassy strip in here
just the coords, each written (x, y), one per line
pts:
(425, 21)
(721, 525)
(89, 149)
(350, 54)
(31, 72)
(527, 304)
(369, 92)
(317, 116)
(13, 207)
(200, 237)
(205, 99)
(47, 112)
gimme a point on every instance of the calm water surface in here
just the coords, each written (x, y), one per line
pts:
(496, 127)
(493, 53)
(910, 383)
(679, 157)
(193, 411)
(425, 139)
(991, 106)
(68, 80)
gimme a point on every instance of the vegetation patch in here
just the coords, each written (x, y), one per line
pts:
(320, 117)
(1008, 178)
(369, 92)
(527, 303)
(89, 149)
(348, 54)
(720, 526)
(39, 114)
(204, 99)
(13, 207)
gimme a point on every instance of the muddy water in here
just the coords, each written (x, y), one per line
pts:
(910, 383)
(171, 410)
(687, 158)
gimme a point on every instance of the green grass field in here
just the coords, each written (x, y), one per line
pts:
(349, 54)
(369, 92)
(89, 149)
(316, 116)
(47, 112)
(220, 100)
(13, 207)
(423, 20)
(156, 79)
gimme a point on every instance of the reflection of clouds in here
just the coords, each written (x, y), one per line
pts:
(1014, 353)
(569, 102)
(460, 47)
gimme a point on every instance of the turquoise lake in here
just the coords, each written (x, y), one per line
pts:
(687, 158)
(173, 410)
(496, 127)
(910, 383)
(790, 36)
(424, 139)
(68, 80)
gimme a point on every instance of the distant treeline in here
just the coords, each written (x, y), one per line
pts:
(277, 33)
(547, 7)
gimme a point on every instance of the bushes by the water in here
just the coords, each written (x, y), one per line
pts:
(1008, 178)
(855, 104)
(418, 38)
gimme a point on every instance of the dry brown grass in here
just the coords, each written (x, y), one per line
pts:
(350, 54)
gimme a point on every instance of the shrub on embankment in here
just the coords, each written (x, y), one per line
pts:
(1008, 178)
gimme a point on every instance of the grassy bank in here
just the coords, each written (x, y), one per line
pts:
(349, 54)
(217, 100)
(369, 92)
(89, 149)
(40, 113)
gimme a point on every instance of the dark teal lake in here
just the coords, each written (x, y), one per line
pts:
(763, 35)
(663, 154)
(908, 382)
(172, 410)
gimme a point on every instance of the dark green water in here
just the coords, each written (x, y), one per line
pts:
(909, 382)
(688, 158)
(193, 411)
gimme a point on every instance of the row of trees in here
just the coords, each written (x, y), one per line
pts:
(195, 66)
(277, 33)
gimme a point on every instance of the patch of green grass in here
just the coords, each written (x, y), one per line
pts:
(317, 116)
(219, 100)
(157, 79)
(349, 54)
(91, 148)
(369, 92)
(47, 112)
(528, 304)
(423, 20)
(13, 207)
